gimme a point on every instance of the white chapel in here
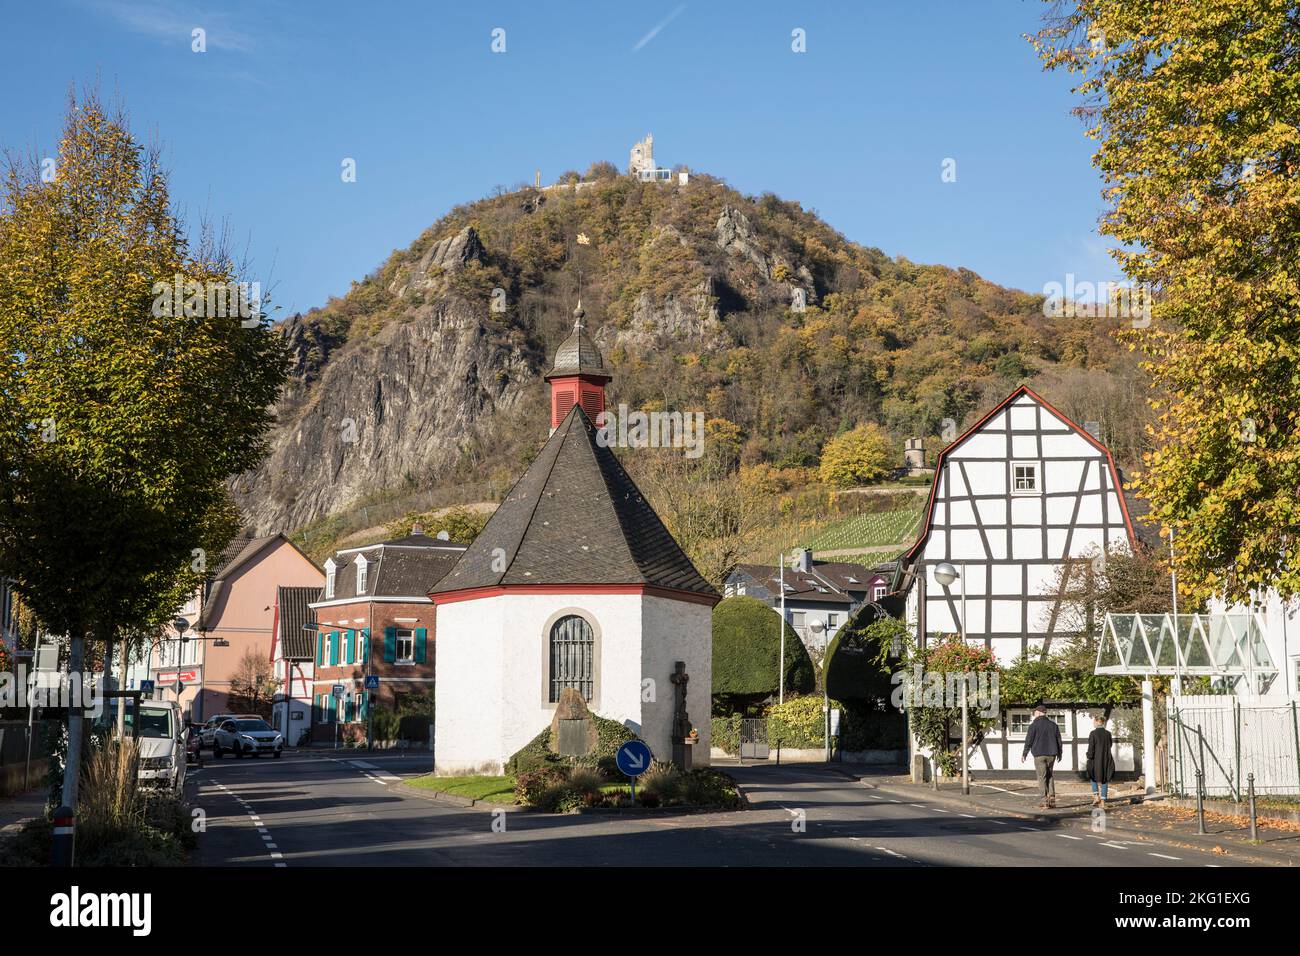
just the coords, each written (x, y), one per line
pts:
(573, 582)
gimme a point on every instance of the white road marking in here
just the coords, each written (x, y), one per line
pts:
(969, 816)
(1068, 837)
(1164, 856)
(1114, 846)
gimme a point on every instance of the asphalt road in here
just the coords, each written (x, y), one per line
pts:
(319, 810)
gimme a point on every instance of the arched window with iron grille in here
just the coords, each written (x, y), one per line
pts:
(572, 657)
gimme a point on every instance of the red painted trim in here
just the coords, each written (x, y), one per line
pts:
(672, 594)
(1022, 390)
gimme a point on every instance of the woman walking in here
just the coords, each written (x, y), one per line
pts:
(1101, 765)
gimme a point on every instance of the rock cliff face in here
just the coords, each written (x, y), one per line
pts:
(381, 413)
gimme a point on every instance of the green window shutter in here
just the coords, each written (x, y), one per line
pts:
(420, 641)
(352, 647)
(334, 649)
(320, 649)
(390, 645)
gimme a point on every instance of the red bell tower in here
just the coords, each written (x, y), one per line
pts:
(579, 375)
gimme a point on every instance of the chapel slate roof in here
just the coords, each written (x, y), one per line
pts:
(295, 641)
(575, 517)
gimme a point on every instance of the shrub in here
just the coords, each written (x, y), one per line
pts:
(746, 645)
(726, 733)
(663, 780)
(707, 787)
(798, 723)
(531, 784)
(587, 780)
(560, 798)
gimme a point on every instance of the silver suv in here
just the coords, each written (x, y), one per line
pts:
(246, 735)
(209, 729)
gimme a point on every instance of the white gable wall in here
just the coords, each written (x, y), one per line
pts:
(1011, 543)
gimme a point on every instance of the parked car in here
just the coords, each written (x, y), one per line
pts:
(163, 760)
(248, 734)
(209, 729)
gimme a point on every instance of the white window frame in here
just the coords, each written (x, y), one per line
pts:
(330, 569)
(879, 591)
(1059, 716)
(397, 646)
(798, 620)
(832, 621)
(1038, 477)
(363, 568)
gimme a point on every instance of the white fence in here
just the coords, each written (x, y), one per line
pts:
(1228, 737)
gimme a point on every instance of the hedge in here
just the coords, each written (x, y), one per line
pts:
(746, 645)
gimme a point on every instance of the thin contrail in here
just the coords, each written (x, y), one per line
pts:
(655, 32)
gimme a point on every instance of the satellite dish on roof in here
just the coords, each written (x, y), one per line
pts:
(443, 536)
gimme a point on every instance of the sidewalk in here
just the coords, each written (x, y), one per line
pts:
(1127, 810)
(17, 807)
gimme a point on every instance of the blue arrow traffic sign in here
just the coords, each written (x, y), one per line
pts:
(633, 758)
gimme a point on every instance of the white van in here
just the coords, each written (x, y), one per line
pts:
(162, 744)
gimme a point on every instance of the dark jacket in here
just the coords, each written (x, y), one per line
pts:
(1101, 765)
(1043, 739)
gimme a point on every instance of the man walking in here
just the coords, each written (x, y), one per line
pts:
(1044, 742)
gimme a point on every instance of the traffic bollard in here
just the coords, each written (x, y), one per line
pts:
(65, 836)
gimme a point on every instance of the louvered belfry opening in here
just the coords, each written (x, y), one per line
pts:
(573, 647)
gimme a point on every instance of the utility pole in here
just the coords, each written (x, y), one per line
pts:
(780, 663)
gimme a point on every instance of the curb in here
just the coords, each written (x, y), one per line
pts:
(1247, 853)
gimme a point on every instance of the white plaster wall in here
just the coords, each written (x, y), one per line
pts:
(677, 631)
(467, 719)
(526, 708)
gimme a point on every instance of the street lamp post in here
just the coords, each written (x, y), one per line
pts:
(945, 574)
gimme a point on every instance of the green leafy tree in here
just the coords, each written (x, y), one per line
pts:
(856, 457)
(123, 414)
(746, 647)
(1196, 109)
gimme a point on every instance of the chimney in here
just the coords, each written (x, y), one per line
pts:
(1093, 429)
(803, 561)
(417, 528)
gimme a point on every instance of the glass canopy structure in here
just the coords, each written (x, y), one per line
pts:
(1214, 645)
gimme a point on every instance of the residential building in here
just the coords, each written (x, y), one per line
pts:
(293, 655)
(233, 615)
(573, 583)
(820, 596)
(1022, 494)
(375, 619)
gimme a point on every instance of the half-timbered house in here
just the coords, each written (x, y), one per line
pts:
(1020, 495)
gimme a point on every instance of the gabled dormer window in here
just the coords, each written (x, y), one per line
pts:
(330, 568)
(363, 566)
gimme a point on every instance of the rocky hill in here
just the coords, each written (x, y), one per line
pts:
(421, 387)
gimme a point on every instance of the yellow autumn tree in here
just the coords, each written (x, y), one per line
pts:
(855, 457)
(1196, 109)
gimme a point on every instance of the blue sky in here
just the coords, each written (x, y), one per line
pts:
(857, 127)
